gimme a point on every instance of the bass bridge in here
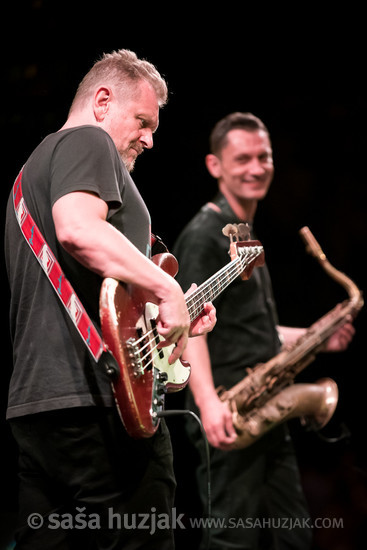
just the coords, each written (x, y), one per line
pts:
(142, 352)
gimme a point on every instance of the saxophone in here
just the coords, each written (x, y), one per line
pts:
(267, 396)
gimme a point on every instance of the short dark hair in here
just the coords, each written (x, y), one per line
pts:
(233, 121)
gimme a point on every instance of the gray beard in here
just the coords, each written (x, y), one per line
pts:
(129, 164)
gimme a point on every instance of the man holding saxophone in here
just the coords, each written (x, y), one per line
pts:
(261, 481)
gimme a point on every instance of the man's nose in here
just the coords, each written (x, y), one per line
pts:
(146, 138)
(256, 167)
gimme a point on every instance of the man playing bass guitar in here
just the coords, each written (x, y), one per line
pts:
(74, 454)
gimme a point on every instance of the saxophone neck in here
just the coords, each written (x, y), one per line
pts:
(314, 248)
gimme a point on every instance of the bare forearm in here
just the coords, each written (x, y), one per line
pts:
(215, 415)
(106, 251)
(201, 378)
(82, 229)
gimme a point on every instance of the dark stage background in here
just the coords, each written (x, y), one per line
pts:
(303, 74)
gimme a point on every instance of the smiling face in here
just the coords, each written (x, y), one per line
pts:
(131, 122)
(244, 167)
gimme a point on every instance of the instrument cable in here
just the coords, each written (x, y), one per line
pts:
(177, 412)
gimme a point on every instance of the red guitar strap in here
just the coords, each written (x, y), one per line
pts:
(52, 268)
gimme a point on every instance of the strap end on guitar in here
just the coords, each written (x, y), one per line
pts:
(110, 364)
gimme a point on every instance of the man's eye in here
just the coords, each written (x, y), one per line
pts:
(243, 159)
(266, 158)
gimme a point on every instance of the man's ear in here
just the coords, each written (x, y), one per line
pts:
(102, 99)
(213, 165)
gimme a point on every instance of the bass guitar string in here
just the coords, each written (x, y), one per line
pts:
(202, 293)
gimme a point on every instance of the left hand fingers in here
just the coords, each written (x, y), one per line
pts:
(341, 339)
(205, 322)
(347, 332)
(209, 317)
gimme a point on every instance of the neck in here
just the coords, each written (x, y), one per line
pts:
(79, 119)
(244, 209)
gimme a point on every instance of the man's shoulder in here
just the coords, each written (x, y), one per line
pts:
(203, 231)
(205, 219)
(88, 132)
(73, 139)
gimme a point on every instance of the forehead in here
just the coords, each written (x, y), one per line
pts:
(144, 103)
(246, 140)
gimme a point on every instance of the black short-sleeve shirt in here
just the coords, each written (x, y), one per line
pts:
(245, 333)
(52, 367)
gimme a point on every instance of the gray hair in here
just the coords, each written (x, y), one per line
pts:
(124, 69)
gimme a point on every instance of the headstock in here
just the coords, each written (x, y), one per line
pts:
(242, 247)
(237, 231)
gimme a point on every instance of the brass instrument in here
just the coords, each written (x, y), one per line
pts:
(267, 396)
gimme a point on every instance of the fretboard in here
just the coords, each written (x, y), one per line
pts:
(210, 289)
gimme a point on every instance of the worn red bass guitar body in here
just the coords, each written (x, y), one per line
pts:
(142, 375)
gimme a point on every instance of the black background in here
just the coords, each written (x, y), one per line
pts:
(302, 71)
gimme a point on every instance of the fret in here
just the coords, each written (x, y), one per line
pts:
(212, 288)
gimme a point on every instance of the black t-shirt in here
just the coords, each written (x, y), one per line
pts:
(52, 368)
(245, 333)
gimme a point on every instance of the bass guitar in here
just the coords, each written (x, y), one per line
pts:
(139, 370)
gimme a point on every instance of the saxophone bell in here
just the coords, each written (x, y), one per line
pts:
(325, 405)
(313, 403)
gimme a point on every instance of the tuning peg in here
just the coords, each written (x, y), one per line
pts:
(244, 231)
(230, 230)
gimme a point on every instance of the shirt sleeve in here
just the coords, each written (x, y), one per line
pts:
(87, 160)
